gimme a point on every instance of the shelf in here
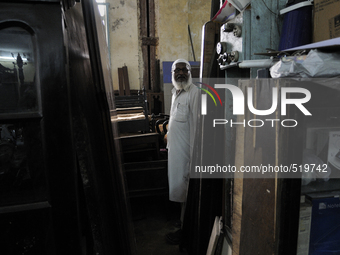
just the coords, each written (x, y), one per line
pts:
(321, 186)
(24, 207)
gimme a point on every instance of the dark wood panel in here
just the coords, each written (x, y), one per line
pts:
(126, 80)
(121, 81)
(256, 200)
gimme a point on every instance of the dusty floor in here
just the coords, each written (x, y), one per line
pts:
(153, 218)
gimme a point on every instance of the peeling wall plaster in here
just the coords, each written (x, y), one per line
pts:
(172, 20)
(116, 24)
(124, 32)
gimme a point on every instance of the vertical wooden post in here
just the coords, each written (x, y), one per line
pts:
(143, 5)
(121, 81)
(256, 200)
(152, 48)
(126, 80)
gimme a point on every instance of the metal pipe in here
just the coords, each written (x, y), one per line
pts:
(258, 63)
(192, 46)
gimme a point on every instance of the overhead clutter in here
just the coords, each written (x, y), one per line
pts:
(321, 61)
(297, 31)
(309, 21)
(240, 5)
(315, 60)
(229, 10)
(225, 13)
(315, 64)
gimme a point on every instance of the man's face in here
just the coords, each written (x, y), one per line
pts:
(181, 73)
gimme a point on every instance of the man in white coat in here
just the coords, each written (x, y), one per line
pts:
(180, 136)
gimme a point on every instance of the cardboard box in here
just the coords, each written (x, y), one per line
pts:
(304, 228)
(325, 223)
(326, 20)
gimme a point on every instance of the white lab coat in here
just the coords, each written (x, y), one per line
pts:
(180, 140)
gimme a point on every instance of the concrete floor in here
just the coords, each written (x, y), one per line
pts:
(153, 218)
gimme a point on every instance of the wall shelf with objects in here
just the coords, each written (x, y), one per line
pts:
(251, 56)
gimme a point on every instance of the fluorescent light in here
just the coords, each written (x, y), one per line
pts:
(102, 10)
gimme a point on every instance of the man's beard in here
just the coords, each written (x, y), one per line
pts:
(181, 85)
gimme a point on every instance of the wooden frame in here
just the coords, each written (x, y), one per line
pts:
(130, 103)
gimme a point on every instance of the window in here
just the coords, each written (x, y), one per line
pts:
(104, 15)
(22, 178)
(18, 91)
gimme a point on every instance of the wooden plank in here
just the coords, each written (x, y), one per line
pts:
(143, 18)
(256, 200)
(152, 19)
(126, 80)
(260, 194)
(24, 207)
(144, 33)
(152, 49)
(151, 99)
(215, 234)
(133, 140)
(238, 190)
(153, 85)
(146, 66)
(121, 81)
(157, 88)
(132, 92)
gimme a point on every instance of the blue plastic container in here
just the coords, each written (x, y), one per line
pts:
(297, 27)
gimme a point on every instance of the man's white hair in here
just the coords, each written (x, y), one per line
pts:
(181, 85)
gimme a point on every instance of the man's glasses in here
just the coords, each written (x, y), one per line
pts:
(178, 70)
